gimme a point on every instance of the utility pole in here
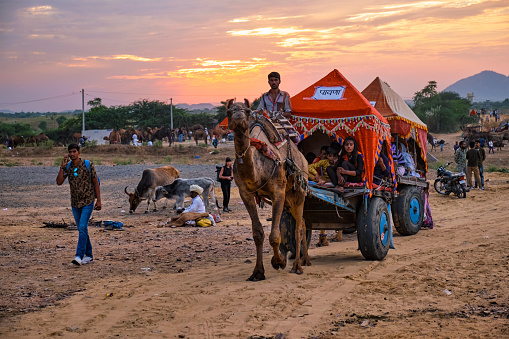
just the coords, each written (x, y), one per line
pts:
(171, 113)
(83, 111)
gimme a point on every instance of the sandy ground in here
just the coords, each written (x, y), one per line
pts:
(150, 281)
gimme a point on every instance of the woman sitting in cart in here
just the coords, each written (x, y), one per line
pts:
(350, 166)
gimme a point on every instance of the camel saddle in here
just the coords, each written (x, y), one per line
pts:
(278, 129)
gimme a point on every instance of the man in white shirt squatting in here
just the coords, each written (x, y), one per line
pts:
(193, 212)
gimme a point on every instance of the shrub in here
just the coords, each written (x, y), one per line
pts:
(166, 160)
(126, 161)
(46, 144)
(157, 144)
(493, 168)
(215, 151)
(8, 163)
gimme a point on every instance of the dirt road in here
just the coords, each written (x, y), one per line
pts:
(159, 282)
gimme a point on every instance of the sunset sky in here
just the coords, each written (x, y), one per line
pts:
(203, 51)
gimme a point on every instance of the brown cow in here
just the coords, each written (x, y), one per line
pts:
(146, 189)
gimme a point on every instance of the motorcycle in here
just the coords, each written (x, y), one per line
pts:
(447, 183)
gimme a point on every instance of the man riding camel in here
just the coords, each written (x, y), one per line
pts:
(277, 104)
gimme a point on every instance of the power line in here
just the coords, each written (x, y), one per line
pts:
(36, 100)
(93, 96)
(172, 95)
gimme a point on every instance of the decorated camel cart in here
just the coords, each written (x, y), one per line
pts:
(332, 109)
(410, 207)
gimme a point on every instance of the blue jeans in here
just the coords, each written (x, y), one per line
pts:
(481, 173)
(81, 217)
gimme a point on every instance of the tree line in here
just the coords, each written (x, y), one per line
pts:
(442, 112)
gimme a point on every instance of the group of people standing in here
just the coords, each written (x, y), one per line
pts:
(471, 162)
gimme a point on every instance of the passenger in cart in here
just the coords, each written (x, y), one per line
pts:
(350, 166)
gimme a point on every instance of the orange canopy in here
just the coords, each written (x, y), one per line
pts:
(402, 119)
(334, 106)
(224, 123)
(473, 113)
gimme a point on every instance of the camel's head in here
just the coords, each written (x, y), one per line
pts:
(238, 114)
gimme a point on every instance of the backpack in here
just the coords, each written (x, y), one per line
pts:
(87, 164)
(218, 170)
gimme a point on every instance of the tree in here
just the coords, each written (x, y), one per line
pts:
(95, 102)
(43, 125)
(427, 92)
(60, 120)
(442, 112)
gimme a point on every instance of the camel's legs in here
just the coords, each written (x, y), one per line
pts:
(258, 235)
(297, 212)
(278, 261)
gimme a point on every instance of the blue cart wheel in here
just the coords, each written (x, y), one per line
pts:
(384, 228)
(408, 210)
(415, 210)
(373, 229)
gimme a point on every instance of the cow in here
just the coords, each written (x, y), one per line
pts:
(181, 187)
(150, 179)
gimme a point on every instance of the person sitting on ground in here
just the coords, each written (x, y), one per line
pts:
(321, 166)
(350, 166)
(193, 212)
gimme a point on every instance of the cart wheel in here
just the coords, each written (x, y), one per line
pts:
(373, 229)
(287, 230)
(408, 211)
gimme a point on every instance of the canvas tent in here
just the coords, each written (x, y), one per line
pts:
(402, 119)
(334, 106)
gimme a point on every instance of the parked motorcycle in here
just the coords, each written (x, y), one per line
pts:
(447, 183)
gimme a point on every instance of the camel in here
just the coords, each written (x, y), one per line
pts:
(217, 131)
(431, 142)
(114, 137)
(200, 134)
(260, 177)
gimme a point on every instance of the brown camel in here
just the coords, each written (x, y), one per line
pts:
(200, 134)
(217, 131)
(114, 137)
(260, 177)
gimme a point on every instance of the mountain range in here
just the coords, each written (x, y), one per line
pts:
(487, 85)
(196, 106)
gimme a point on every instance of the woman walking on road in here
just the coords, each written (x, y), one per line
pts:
(225, 178)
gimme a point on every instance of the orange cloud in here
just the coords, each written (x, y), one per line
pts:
(267, 31)
(119, 57)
